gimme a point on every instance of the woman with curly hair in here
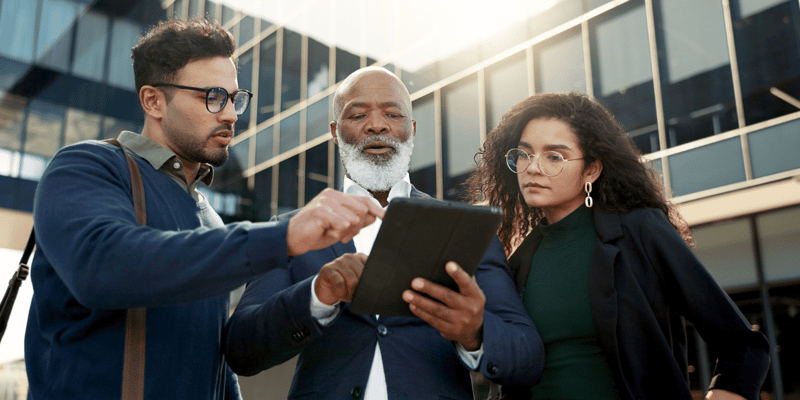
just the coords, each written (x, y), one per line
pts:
(603, 262)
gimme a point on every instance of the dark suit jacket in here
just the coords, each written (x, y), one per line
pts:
(273, 323)
(644, 281)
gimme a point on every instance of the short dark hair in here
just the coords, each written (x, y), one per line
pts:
(170, 45)
(625, 184)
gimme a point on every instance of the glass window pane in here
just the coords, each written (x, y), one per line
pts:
(561, 12)
(178, 9)
(290, 78)
(774, 149)
(240, 154)
(696, 75)
(622, 73)
(43, 130)
(194, 8)
(227, 14)
(246, 30)
(727, 253)
(460, 132)
(124, 36)
(90, 46)
(707, 167)
(288, 182)
(422, 170)
(211, 10)
(265, 149)
(55, 34)
(12, 112)
(318, 69)
(779, 236)
(261, 206)
(266, 79)
(17, 24)
(316, 170)
(81, 125)
(559, 64)
(767, 40)
(346, 63)
(506, 85)
(318, 120)
(290, 132)
(245, 77)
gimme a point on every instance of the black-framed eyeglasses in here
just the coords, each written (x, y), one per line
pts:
(550, 163)
(217, 97)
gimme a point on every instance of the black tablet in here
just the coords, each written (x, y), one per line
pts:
(417, 238)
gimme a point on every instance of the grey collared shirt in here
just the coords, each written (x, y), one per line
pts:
(166, 161)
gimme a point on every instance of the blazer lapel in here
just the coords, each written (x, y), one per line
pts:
(602, 291)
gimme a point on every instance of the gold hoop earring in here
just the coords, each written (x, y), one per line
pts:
(588, 189)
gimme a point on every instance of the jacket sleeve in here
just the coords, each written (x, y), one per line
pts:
(513, 350)
(743, 353)
(86, 227)
(271, 324)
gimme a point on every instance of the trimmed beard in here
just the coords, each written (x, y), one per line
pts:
(379, 172)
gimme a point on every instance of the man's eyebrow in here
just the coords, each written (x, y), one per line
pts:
(386, 104)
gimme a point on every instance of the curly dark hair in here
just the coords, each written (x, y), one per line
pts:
(170, 45)
(625, 183)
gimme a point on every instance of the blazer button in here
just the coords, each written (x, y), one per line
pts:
(356, 392)
(492, 368)
(383, 330)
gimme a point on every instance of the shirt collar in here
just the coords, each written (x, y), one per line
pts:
(400, 189)
(158, 155)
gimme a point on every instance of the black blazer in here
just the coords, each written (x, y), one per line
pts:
(644, 281)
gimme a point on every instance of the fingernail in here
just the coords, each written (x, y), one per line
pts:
(452, 267)
(417, 284)
(407, 296)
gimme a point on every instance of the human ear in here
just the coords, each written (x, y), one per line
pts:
(333, 133)
(152, 101)
(593, 171)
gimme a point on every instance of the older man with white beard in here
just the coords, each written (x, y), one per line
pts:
(305, 310)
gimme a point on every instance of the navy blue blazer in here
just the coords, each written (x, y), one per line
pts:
(273, 323)
(644, 281)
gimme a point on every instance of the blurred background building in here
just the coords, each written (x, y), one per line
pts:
(708, 89)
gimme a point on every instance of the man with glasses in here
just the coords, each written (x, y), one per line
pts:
(93, 260)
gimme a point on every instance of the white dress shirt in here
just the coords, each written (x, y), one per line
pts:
(376, 383)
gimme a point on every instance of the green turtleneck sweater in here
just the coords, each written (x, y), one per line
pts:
(557, 299)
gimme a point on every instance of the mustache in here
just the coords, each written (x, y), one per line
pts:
(394, 143)
(223, 127)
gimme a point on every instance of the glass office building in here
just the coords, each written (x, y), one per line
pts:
(708, 89)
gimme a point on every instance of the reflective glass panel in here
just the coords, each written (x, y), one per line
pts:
(12, 112)
(622, 73)
(697, 87)
(90, 46)
(124, 36)
(265, 149)
(246, 30)
(779, 236)
(55, 33)
(316, 170)
(346, 63)
(559, 64)
(288, 182)
(245, 78)
(460, 132)
(774, 149)
(506, 85)
(726, 251)
(112, 127)
(17, 27)
(291, 76)
(423, 160)
(290, 132)
(260, 209)
(81, 125)
(318, 120)
(210, 9)
(43, 129)
(707, 167)
(266, 78)
(767, 34)
(318, 69)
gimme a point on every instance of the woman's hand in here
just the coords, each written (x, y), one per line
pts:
(719, 394)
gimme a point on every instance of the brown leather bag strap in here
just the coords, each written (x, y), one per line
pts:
(135, 332)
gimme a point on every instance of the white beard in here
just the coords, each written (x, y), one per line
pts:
(376, 173)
